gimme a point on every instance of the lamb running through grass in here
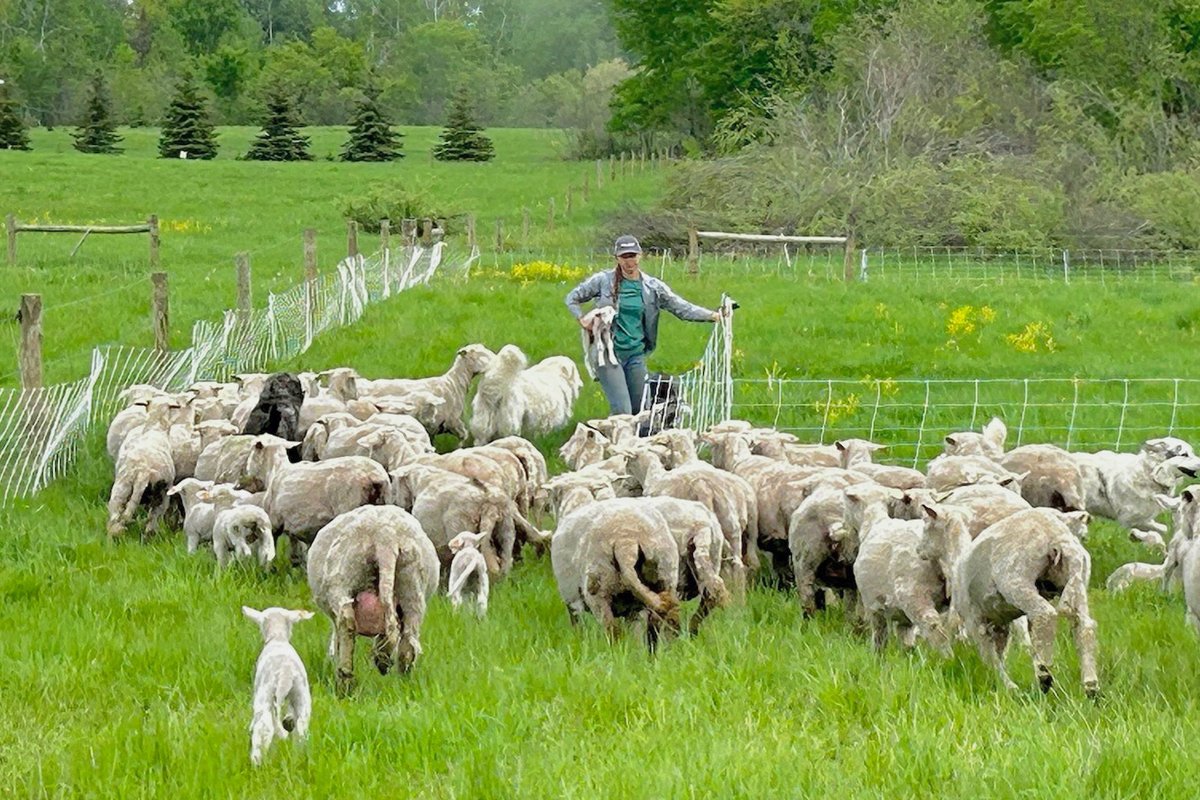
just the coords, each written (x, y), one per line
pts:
(282, 702)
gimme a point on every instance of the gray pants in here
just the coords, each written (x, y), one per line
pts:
(623, 384)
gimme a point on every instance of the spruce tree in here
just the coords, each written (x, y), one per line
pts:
(98, 133)
(371, 134)
(13, 135)
(280, 139)
(463, 140)
(186, 127)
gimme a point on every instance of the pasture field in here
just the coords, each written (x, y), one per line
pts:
(209, 211)
(125, 669)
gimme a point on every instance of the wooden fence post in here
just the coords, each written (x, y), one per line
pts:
(426, 231)
(10, 225)
(849, 262)
(622, 163)
(153, 223)
(243, 288)
(693, 259)
(160, 315)
(385, 234)
(499, 235)
(31, 340)
(550, 214)
(408, 231)
(612, 169)
(351, 237)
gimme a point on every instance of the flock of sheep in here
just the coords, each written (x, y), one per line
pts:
(984, 544)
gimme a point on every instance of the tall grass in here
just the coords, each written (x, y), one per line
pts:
(125, 669)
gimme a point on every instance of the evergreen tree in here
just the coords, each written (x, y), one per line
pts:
(98, 133)
(280, 139)
(371, 134)
(463, 140)
(13, 135)
(186, 126)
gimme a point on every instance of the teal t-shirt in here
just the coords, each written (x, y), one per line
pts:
(629, 337)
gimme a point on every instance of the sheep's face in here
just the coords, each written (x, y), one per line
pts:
(1167, 447)
(944, 528)
(276, 623)
(476, 357)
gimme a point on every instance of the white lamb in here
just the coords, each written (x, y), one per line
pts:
(282, 702)
(198, 515)
(597, 338)
(514, 399)
(240, 530)
(468, 572)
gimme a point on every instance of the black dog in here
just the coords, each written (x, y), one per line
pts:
(278, 409)
(660, 403)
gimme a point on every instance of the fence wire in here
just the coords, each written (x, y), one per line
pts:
(41, 429)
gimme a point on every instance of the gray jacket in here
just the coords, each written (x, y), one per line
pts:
(655, 295)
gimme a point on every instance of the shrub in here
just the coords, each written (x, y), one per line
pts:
(384, 202)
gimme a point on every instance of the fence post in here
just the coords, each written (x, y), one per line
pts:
(612, 169)
(525, 227)
(693, 259)
(385, 239)
(385, 234)
(310, 279)
(550, 214)
(10, 225)
(31, 340)
(642, 158)
(160, 311)
(470, 232)
(153, 223)
(439, 230)
(848, 258)
(622, 160)
(243, 288)
(1066, 266)
(499, 235)
(426, 231)
(599, 174)
(351, 237)
(408, 231)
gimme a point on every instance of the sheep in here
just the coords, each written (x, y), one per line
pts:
(127, 420)
(948, 472)
(371, 571)
(727, 496)
(448, 390)
(1010, 570)
(468, 572)
(895, 583)
(567, 492)
(409, 425)
(224, 461)
(514, 398)
(1185, 515)
(618, 428)
(1122, 486)
(494, 466)
(239, 531)
(702, 553)
(678, 446)
(342, 383)
(597, 338)
(989, 443)
(250, 387)
(586, 446)
(380, 443)
(277, 411)
(188, 442)
(145, 471)
(536, 472)
(198, 515)
(616, 558)
(985, 504)
(317, 434)
(1051, 478)
(303, 497)
(282, 702)
(1125, 575)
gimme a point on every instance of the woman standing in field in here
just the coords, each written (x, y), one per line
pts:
(637, 297)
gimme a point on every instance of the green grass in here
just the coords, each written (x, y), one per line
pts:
(125, 669)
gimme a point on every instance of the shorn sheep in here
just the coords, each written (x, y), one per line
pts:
(282, 702)
(514, 399)
(468, 573)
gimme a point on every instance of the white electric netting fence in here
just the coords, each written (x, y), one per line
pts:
(41, 429)
(913, 416)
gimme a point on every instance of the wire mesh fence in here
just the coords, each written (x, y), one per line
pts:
(913, 416)
(41, 429)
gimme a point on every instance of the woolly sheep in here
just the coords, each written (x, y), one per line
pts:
(282, 702)
(381, 443)
(514, 398)
(371, 571)
(447, 393)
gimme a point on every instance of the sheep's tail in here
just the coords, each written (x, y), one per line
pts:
(378, 493)
(141, 480)
(460, 580)
(386, 558)
(626, 556)
(1078, 566)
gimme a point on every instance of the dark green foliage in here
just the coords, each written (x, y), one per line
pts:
(13, 135)
(98, 133)
(462, 139)
(386, 201)
(371, 134)
(186, 127)
(280, 139)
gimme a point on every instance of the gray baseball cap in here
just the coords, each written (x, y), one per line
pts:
(626, 244)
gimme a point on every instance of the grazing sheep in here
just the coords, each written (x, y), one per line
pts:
(514, 398)
(569, 491)
(468, 572)
(617, 559)
(302, 498)
(282, 702)
(446, 394)
(145, 471)
(949, 472)
(1014, 568)
(277, 411)
(371, 570)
